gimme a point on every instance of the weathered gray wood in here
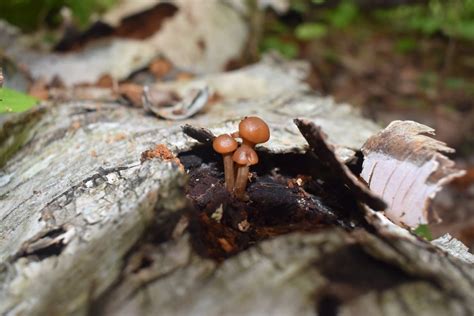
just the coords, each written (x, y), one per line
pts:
(296, 275)
(76, 203)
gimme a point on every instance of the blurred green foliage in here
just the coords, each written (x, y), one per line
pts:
(288, 49)
(405, 45)
(423, 231)
(342, 15)
(318, 18)
(14, 101)
(453, 18)
(32, 14)
(307, 31)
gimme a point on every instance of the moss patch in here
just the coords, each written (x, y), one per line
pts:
(16, 131)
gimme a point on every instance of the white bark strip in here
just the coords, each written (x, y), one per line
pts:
(406, 169)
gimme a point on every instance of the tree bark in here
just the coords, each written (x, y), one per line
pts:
(87, 228)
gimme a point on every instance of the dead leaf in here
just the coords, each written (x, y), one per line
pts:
(158, 98)
(132, 92)
(407, 168)
(160, 67)
(184, 76)
(167, 108)
(39, 89)
(105, 81)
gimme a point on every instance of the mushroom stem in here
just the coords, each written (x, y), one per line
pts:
(248, 143)
(229, 172)
(241, 181)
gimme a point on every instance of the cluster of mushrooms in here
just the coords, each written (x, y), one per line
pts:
(252, 130)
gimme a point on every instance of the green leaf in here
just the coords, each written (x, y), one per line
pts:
(287, 49)
(344, 14)
(308, 31)
(14, 101)
(423, 231)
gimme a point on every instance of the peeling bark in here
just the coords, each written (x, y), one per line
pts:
(406, 168)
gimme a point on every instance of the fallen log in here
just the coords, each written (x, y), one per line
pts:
(96, 219)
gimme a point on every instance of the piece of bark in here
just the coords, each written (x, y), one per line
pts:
(406, 169)
(454, 247)
(336, 170)
(79, 173)
(202, 135)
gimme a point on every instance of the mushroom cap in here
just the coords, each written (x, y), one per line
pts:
(245, 156)
(224, 144)
(254, 130)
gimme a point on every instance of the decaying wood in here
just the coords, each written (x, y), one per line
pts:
(303, 274)
(87, 228)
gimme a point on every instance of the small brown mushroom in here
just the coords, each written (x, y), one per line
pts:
(253, 130)
(244, 157)
(224, 144)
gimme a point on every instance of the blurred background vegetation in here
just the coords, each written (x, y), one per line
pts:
(310, 19)
(317, 18)
(393, 58)
(30, 15)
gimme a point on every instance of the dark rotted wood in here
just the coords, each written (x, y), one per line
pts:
(280, 200)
